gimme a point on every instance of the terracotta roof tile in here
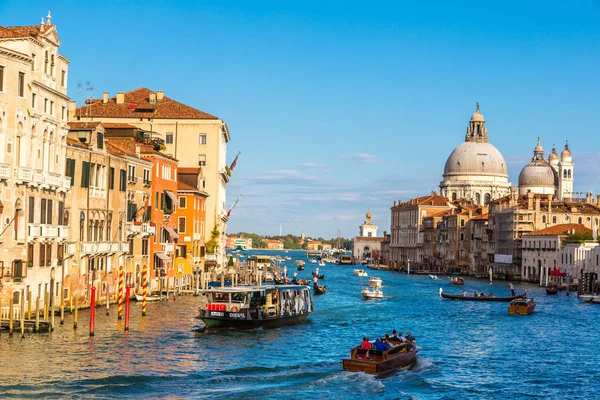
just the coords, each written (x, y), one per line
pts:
(129, 145)
(77, 143)
(135, 105)
(188, 170)
(22, 31)
(77, 126)
(561, 229)
(184, 186)
(117, 125)
(480, 217)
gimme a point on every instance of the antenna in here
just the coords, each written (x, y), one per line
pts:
(85, 92)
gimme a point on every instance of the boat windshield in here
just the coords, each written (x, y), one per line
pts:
(240, 297)
(218, 297)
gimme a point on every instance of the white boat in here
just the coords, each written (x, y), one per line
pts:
(154, 296)
(313, 260)
(372, 293)
(321, 263)
(434, 277)
(375, 282)
(590, 298)
(360, 272)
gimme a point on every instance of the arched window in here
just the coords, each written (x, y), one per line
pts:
(486, 199)
(462, 236)
(543, 219)
(579, 220)
(564, 173)
(477, 198)
(453, 196)
(16, 297)
(569, 173)
(553, 220)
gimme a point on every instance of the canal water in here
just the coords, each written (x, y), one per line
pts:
(469, 350)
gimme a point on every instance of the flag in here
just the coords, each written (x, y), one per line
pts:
(133, 106)
(236, 201)
(234, 161)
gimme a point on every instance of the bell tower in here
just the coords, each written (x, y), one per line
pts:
(368, 229)
(565, 173)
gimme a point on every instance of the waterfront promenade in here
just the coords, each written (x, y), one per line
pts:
(470, 350)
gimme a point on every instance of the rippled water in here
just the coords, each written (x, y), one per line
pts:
(470, 350)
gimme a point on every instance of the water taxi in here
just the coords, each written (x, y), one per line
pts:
(370, 361)
(370, 293)
(360, 272)
(375, 282)
(152, 296)
(251, 307)
(346, 260)
(521, 306)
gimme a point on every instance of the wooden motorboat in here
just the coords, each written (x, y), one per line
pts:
(523, 306)
(589, 297)
(479, 298)
(360, 272)
(456, 281)
(375, 362)
(371, 293)
(318, 289)
(551, 290)
(375, 282)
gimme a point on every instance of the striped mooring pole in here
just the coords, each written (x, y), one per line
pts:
(144, 289)
(120, 306)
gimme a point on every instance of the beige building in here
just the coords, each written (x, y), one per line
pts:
(367, 245)
(193, 137)
(33, 139)
(273, 244)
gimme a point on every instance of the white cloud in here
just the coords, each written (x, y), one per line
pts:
(286, 176)
(313, 165)
(362, 157)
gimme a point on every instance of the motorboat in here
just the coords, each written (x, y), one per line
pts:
(370, 361)
(589, 297)
(552, 290)
(457, 281)
(360, 272)
(312, 261)
(370, 293)
(153, 296)
(523, 306)
(435, 277)
(321, 263)
(375, 282)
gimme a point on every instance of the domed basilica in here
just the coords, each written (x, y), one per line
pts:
(476, 170)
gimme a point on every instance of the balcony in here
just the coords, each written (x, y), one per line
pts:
(34, 231)
(23, 175)
(147, 183)
(168, 248)
(97, 248)
(148, 230)
(132, 228)
(63, 232)
(53, 179)
(4, 171)
(70, 249)
(132, 179)
(66, 185)
(38, 179)
(49, 231)
(97, 193)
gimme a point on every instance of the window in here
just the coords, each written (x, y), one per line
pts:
(553, 220)
(131, 173)
(111, 178)
(43, 211)
(462, 222)
(543, 219)
(63, 113)
(145, 247)
(70, 170)
(52, 65)
(46, 61)
(123, 180)
(33, 59)
(169, 138)
(85, 174)
(33, 99)
(579, 220)
(182, 202)
(49, 212)
(100, 137)
(147, 180)
(1, 78)
(46, 106)
(61, 213)
(486, 198)
(21, 87)
(30, 248)
(202, 138)
(181, 250)
(202, 160)
(51, 108)
(63, 78)
(182, 222)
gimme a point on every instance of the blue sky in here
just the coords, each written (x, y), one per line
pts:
(341, 106)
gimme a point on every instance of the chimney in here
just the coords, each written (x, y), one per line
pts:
(105, 97)
(590, 198)
(550, 203)
(384, 234)
(529, 201)
(537, 204)
(137, 150)
(152, 97)
(120, 97)
(598, 200)
(397, 203)
(72, 107)
(160, 94)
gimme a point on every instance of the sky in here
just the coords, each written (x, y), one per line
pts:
(341, 107)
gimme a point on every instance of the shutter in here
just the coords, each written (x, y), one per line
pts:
(72, 172)
(85, 174)
(43, 212)
(49, 213)
(31, 209)
(147, 215)
(111, 178)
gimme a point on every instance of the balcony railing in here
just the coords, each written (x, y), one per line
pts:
(103, 247)
(54, 179)
(63, 232)
(132, 228)
(168, 247)
(4, 171)
(34, 231)
(97, 193)
(49, 231)
(70, 249)
(24, 174)
(147, 183)
(147, 229)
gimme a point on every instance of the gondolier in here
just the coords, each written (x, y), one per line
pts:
(512, 288)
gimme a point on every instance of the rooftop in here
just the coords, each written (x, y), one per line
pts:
(562, 229)
(137, 104)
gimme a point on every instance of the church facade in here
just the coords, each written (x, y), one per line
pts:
(367, 246)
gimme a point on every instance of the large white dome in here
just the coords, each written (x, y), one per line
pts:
(475, 158)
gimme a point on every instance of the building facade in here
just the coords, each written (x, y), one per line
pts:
(367, 246)
(33, 139)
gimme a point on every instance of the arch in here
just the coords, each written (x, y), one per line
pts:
(554, 219)
(569, 173)
(462, 236)
(453, 196)
(579, 220)
(16, 297)
(564, 173)
(478, 198)
(486, 199)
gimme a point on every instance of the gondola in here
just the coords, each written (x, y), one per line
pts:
(483, 298)
(551, 290)
(318, 289)
(320, 276)
(457, 281)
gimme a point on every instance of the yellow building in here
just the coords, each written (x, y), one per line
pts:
(193, 137)
(273, 244)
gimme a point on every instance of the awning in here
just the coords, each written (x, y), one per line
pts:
(172, 232)
(171, 195)
(162, 256)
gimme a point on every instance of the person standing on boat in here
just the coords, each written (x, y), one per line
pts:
(512, 289)
(317, 271)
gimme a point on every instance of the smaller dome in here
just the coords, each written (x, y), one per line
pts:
(538, 147)
(477, 116)
(553, 155)
(369, 215)
(566, 152)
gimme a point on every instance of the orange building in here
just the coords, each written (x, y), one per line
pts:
(161, 207)
(191, 222)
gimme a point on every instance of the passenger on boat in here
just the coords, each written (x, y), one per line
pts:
(365, 345)
(491, 295)
(463, 294)
(395, 335)
(380, 346)
(474, 293)
(315, 279)
(409, 337)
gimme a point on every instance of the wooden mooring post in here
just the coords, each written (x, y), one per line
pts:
(22, 313)
(37, 314)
